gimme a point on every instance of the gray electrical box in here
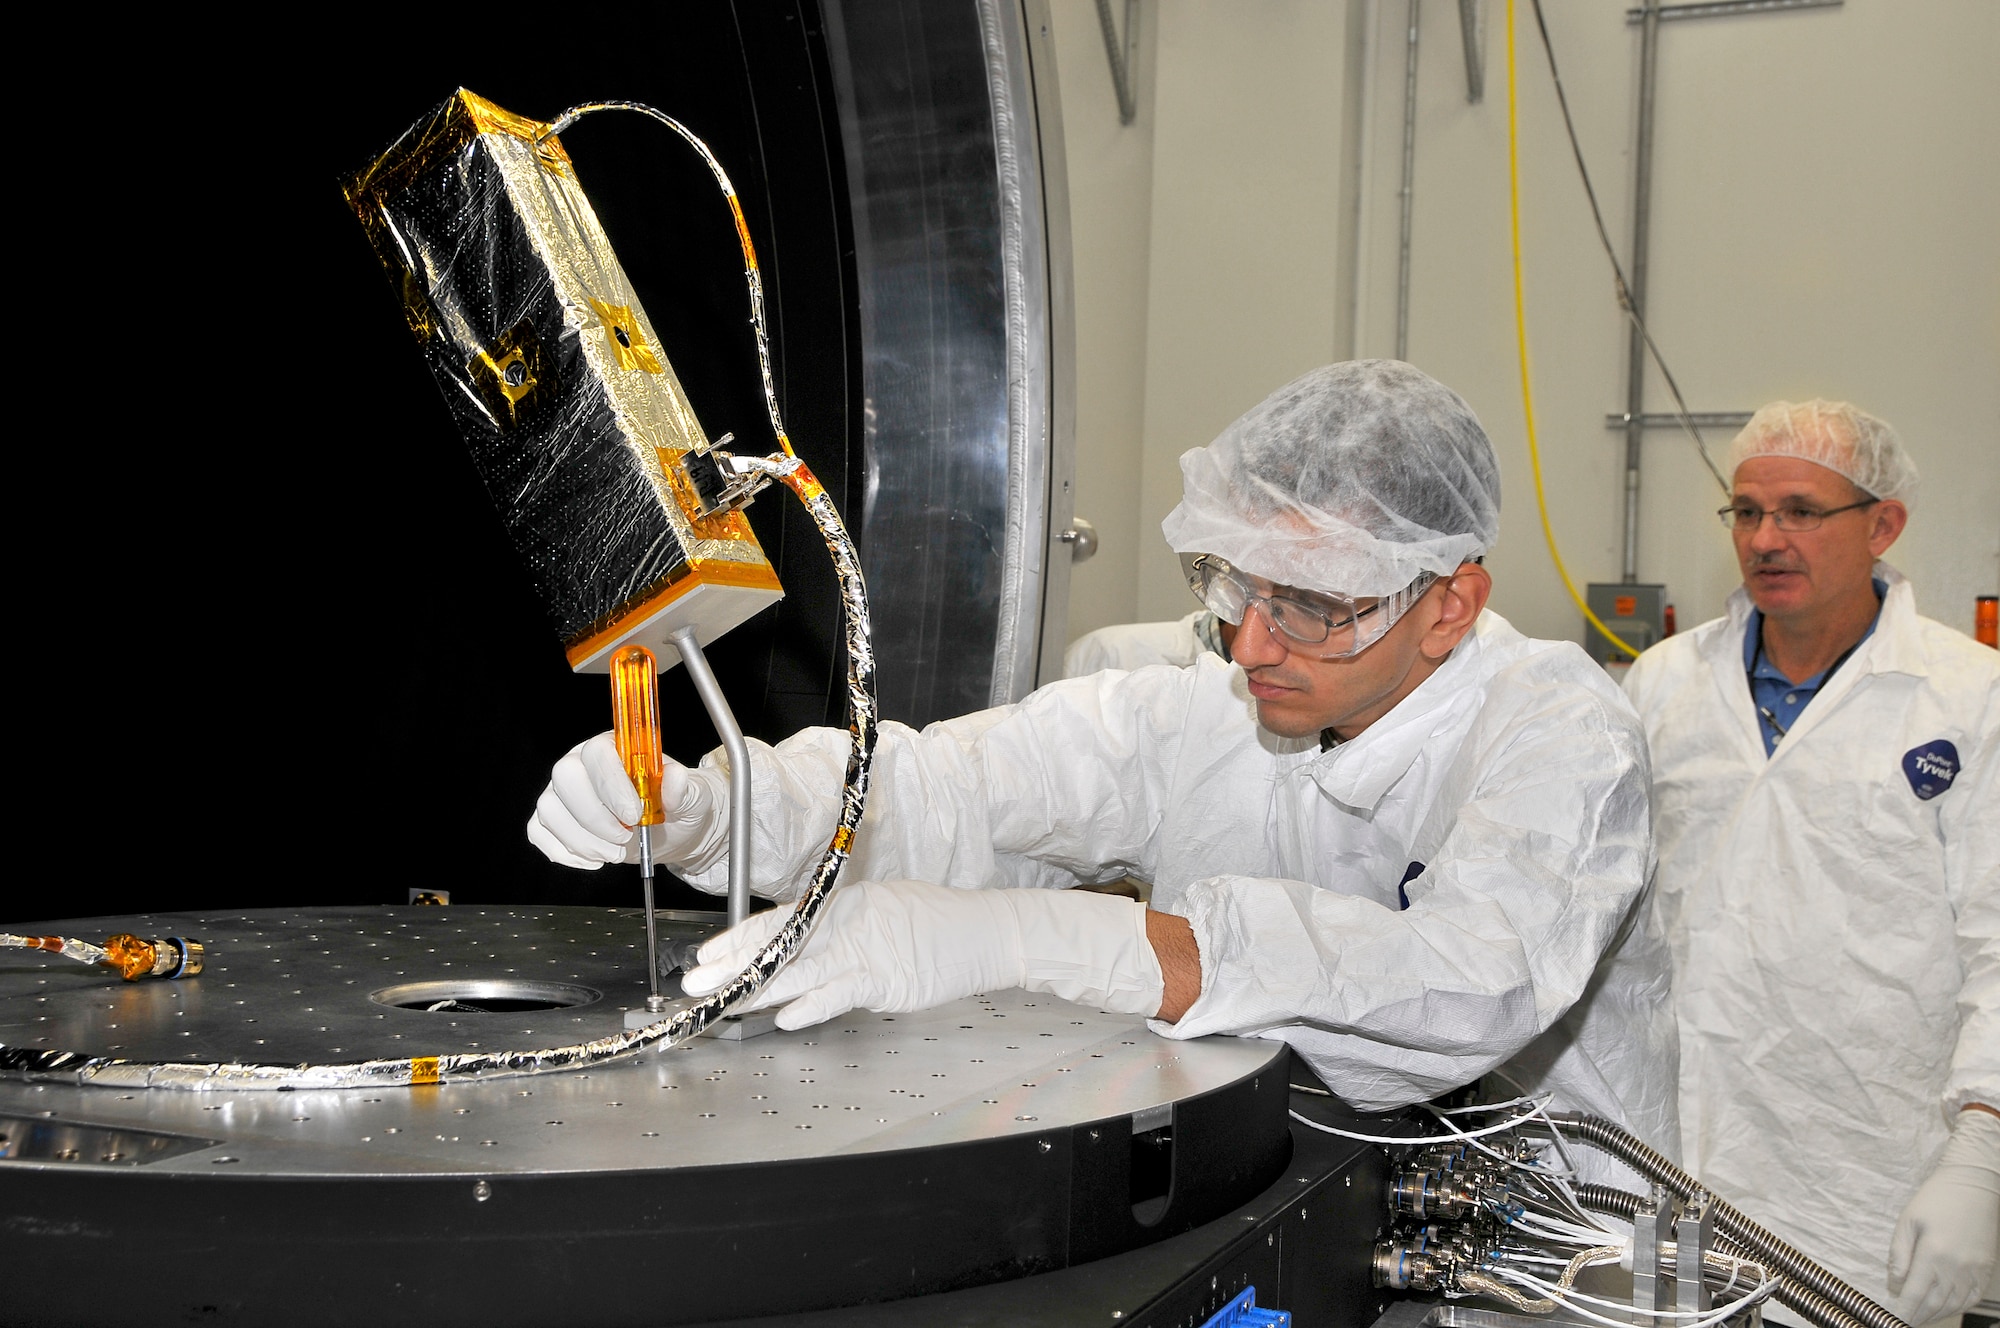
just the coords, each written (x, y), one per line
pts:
(1637, 613)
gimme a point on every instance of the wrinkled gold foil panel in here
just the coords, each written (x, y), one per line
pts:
(653, 409)
(553, 371)
(628, 343)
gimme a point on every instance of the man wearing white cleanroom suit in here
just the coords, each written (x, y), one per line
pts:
(1824, 766)
(1395, 834)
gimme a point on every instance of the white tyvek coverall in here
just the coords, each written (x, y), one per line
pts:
(1836, 938)
(1516, 773)
(1136, 645)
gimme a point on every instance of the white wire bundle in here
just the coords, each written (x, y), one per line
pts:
(1586, 1230)
(1576, 1301)
(1454, 1132)
(1558, 1218)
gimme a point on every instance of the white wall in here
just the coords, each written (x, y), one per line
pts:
(1241, 119)
(1823, 198)
(1246, 233)
(1825, 191)
(1111, 208)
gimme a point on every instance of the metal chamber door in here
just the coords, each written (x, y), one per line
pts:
(952, 138)
(320, 549)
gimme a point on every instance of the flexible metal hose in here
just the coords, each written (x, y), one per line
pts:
(1804, 1284)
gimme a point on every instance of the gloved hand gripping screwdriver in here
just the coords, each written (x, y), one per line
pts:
(635, 719)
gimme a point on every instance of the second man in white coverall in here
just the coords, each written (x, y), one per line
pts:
(1395, 833)
(1827, 778)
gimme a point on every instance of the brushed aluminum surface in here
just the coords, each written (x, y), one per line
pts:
(961, 260)
(302, 985)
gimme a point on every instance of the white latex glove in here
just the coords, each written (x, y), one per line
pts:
(903, 945)
(1944, 1248)
(584, 817)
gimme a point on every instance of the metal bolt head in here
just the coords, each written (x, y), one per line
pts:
(1044, 1145)
(481, 1192)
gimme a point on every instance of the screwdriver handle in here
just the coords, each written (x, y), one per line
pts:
(635, 720)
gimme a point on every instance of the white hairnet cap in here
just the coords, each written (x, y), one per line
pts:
(1845, 440)
(1352, 479)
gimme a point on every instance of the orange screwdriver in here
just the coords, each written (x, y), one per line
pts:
(635, 720)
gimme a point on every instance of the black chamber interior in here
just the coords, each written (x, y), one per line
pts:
(286, 654)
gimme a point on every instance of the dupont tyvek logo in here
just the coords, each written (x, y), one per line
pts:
(1931, 767)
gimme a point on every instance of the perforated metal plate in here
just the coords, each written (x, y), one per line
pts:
(303, 986)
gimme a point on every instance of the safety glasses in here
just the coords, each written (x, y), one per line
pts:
(1330, 626)
(1747, 518)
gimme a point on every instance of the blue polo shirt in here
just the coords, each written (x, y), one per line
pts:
(1776, 697)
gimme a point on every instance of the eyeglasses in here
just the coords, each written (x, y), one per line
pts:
(1336, 622)
(1743, 517)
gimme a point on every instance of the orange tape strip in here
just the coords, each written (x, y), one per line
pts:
(742, 232)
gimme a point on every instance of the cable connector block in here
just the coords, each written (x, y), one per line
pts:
(165, 957)
(721, 482)
(1242, 1312)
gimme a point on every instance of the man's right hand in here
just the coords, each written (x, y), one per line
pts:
(584, 817)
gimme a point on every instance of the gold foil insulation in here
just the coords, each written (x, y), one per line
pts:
(784, 467)
(557, 382)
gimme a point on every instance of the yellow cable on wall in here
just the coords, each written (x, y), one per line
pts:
(1521, 339)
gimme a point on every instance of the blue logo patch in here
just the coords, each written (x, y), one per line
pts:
(1931, 767)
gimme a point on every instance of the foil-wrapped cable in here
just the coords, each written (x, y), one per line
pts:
(752, 275)
(675, 1028)
(133, 957)
(66, 946)
(786, 468)
(1487, 1286)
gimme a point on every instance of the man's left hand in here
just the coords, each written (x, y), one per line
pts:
(904, 945)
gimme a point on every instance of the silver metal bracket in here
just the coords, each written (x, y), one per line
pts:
(644, 1017)
(1692, 1233)
(722, 482)
(737, 1027)
(1652, 1232)
(730, 1028)
(731, 733)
